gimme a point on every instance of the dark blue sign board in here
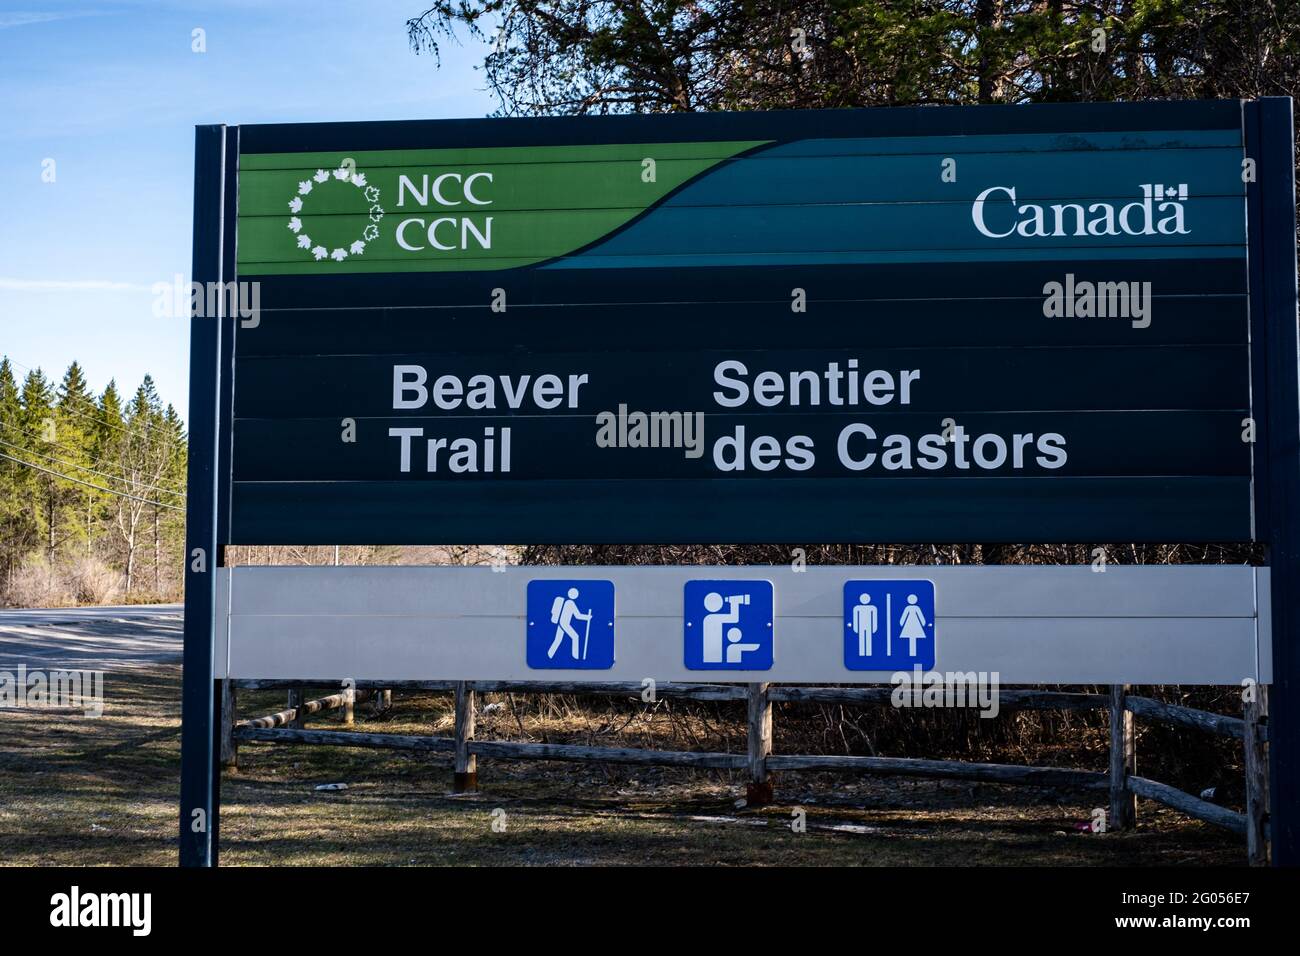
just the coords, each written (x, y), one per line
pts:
(989, 324)
(570, 624)
(1057, 323)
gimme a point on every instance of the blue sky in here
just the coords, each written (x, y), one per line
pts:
(111, 91)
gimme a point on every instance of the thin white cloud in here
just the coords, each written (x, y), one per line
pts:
(11, 284)
(22, 18)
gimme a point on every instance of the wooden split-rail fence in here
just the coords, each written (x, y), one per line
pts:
(1121, 782)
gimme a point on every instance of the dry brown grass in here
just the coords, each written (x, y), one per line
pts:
(104, 792)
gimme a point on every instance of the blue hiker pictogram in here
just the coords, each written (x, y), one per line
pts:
(570, 624)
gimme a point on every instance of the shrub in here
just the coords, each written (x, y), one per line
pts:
(80, 580)
(37, 583)
(92, 581)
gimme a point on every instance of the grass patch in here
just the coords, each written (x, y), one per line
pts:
(78, 791)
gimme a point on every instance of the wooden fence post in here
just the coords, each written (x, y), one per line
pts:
(349, 706)
(297, 697)
(1123, 761)
(229, 746)
(759, 791)
(465, 777)
(1257, 843)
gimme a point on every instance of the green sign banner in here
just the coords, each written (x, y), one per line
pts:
(432, 210)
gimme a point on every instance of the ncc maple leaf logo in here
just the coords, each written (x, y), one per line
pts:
(331, 180)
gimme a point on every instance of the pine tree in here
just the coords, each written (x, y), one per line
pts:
(82, 477)
(105, 439)
(13, 512)
(75, 423)
(39, 489)
(169, 524)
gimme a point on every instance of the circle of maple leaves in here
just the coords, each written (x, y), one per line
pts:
(358, 246)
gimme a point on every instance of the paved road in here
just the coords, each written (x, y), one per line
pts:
(90, 638)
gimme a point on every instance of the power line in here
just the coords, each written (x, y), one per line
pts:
(92, 471)
(69, 448)
(120, 494)
(63, 446)
(102, 420)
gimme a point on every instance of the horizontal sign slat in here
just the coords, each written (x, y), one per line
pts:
(1137, 121)
(1147, 591)
(766, 178)
(474, 238)
(823, 146)
(956, 281)
(649, 511)
(1176, 320)
(869, 445)
(1026, 625)
(1146, 651)
(949, 381)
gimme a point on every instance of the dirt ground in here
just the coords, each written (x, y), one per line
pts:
(104, 791)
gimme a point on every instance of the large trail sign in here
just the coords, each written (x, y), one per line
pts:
(1005, 325)
(1016, 324)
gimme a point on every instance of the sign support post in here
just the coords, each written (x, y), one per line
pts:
(1271, 146)
(200, 780)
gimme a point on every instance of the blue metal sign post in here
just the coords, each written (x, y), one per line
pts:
(200, 775)
(1270, 128)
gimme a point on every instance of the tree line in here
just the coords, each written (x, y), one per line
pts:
(91, 491)
(647, 56)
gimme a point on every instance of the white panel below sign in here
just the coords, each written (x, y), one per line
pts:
(1064, 625)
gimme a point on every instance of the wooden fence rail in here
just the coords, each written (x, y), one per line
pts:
(1121, 781)
(1007, 699)
(1188, 804)
(1061, 777)
(294, 716)
(1188, 717)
